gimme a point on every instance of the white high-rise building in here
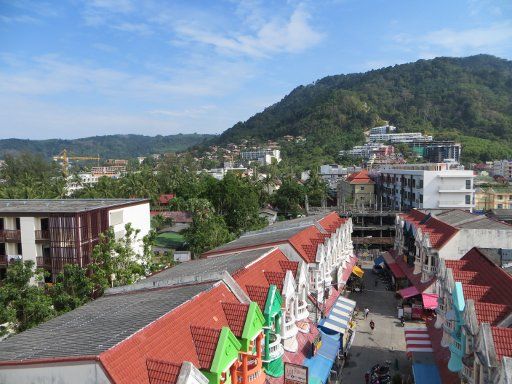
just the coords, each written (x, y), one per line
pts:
(429, 186)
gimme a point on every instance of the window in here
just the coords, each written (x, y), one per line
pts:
(421, 198)
(362, 188)
(500, 197)
(421, 183)
(468, 199)
(500, 206)
(468, 184)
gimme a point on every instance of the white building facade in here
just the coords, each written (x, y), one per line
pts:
(427, 186)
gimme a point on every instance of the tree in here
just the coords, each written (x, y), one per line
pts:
(73, 288)
(289, 197)
(22, 304)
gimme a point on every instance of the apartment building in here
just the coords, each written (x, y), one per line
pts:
(53, 233)
(437, 151)
(333, 173)
(404, 137)
(427, 186)
(424, 238)
(502, 168)
(474, 319)
(263, 155)
(382, 129)
(357, 190)
(489, 198)
(370, 150)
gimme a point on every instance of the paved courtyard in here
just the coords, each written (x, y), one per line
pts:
(386, 342)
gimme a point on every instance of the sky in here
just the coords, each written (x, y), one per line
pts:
(73, 68)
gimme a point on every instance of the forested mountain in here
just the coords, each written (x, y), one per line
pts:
(111, 146)
(469, 99)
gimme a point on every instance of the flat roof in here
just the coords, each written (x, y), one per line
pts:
(25, 206)
(97, 326)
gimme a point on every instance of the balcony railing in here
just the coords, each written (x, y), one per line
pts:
(275, 347)
(467, 373)
(302, 311)
(43, 262)
(289, 327)
(42, 234)
(429, 269)
(254, 372)
(10, 234)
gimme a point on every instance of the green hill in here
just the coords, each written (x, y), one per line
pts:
(468, 99)
(111, 146)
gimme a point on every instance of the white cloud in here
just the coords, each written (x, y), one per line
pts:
(275, 36)
(494, 39)
(140, 28)
(190, 113)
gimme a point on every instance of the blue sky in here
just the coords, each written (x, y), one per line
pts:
(80, 68)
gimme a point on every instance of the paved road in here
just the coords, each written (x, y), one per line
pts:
(386, 342)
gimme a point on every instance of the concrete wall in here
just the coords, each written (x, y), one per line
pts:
(28, 238)
(466, 239)
(56, 373)
(137, 215)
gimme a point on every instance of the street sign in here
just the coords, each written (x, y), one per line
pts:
(295, 374)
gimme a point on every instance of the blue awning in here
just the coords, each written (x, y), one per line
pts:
(319, 369)
(329, 348)
(379, 260)
(340, 315)
(426, 374)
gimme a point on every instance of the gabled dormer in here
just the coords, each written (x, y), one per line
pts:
(160, 372)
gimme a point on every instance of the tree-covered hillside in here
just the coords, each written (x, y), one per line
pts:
(112, 146)
(469, 99)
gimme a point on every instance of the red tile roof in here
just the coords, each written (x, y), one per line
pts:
(162, 372)
(205, 342)
(491, 313)
(502, 338)
(236, 315)
(287, 265)
(258, 294)
(306, 243)
(332, 222)
(165, 198)
(126, 362)
(276, 278)
(359, 178)
(439, 232)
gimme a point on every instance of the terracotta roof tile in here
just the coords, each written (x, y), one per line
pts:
(491, 313)
(359, 178)
(205, 342)
(287, 265)
(439, 232)
(275, 278)
(236, 315)
(502, 338)
(162, 372)
(258, 294)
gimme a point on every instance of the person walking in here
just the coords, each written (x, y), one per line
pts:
(366, 312)
(372, 325)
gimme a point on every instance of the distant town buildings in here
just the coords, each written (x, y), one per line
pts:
(219, 173)
(495, 197)
(53, 233)
(395, 138)
(264, 156)
(502, 168)
(437, 151)
(370, 150)
(430, 186)
(333, 173)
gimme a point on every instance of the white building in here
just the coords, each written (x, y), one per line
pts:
(219, 173)
(264, 156)
(425, 238)
(382, 129)
(429, 186)
(502, 168)
(53, 233)
(404, 137)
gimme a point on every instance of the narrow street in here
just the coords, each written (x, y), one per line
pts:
(385, 343)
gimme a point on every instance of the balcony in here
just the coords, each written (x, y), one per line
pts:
(42, 235)
(468, 370)
(275, 348)
(255, 373)
(3, 260)
(302, 311)
(289, 328)
(10, 234)
(428, 269)
(43, 262)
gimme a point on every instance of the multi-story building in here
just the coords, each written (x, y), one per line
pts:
(370, 150)
(357, 190)
(394, 138)
(502, 168)
(323, 242)
(333, 173)
(424, 238)
(474, 316)
(382, 129)
(489, 198)
(263, 155)
(437, 151)
(428, 186)
(53, 233)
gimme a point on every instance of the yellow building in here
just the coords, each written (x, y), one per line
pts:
(493, 198)
(357, 189)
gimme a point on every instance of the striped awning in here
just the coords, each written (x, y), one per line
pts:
(417, 339)
(340, 315)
